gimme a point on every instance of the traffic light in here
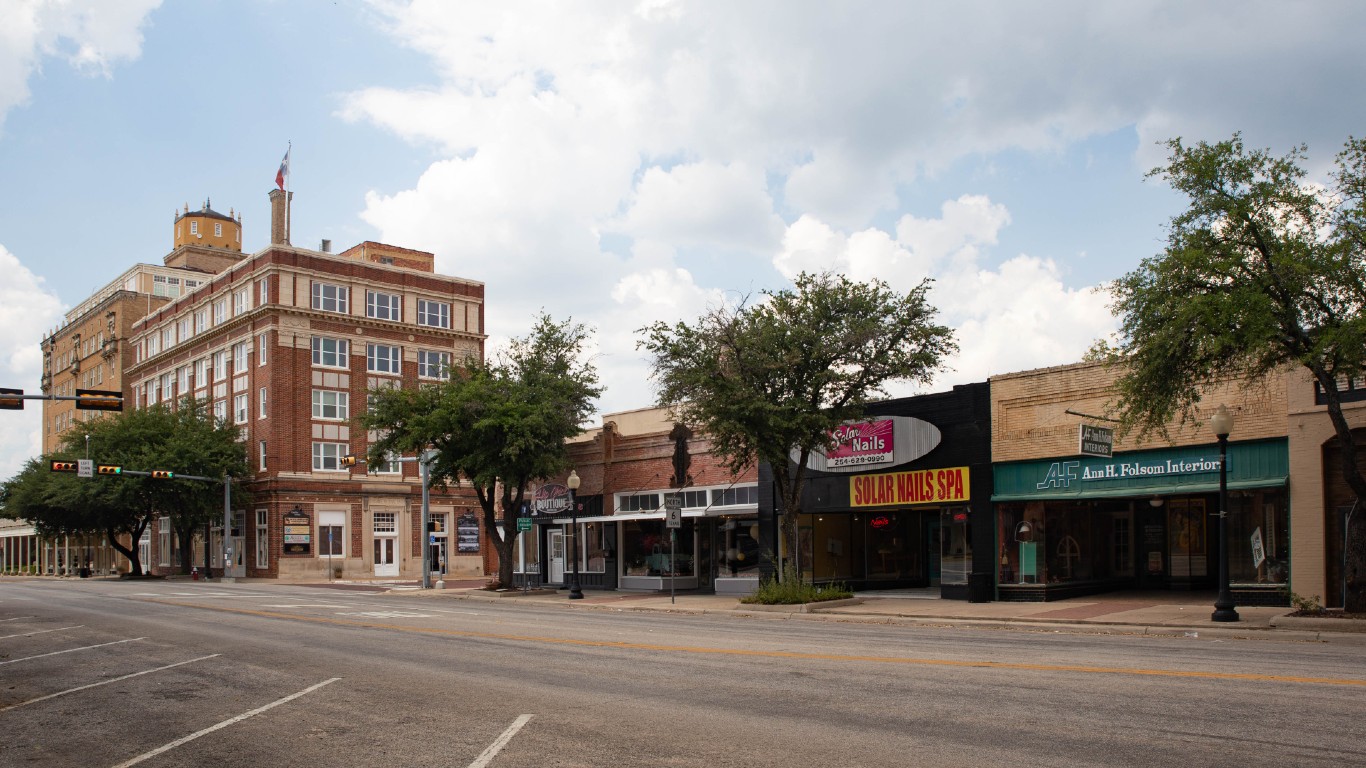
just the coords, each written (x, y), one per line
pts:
(162, 474)
(98, 400)
(11, 403)
(108, 469)
(64, 466)
(349, 460)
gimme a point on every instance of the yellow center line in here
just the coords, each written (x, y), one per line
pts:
(1196, 674)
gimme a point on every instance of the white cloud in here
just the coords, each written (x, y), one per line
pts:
(612, 160)
(28, 311)
(90, 35)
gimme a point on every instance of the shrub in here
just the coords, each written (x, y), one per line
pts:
(791, 590)
(1304, 604)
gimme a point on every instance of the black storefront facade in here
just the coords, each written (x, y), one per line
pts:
(909, 506)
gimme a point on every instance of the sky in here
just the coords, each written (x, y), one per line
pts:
(619, 163)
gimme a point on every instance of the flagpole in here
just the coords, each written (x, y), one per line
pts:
(289, 223)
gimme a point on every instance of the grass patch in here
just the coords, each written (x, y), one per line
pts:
(793, 591)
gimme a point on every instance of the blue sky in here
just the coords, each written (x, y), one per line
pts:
(624, 162)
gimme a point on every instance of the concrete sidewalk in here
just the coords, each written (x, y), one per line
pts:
(1160, 613)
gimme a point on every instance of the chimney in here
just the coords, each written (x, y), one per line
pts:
(279, 216)
(326, 246)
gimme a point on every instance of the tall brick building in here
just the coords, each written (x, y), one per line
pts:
(285, 343)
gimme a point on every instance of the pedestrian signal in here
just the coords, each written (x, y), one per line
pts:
(64, 466)
(108, 469)
(98, 400)
(162, 474)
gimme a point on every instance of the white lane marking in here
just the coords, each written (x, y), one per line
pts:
(224, 724)
(40, 632)
(500, 742)
(16, 618)
(386, 614)
(304, 605)
(72, 650)
(104, 682)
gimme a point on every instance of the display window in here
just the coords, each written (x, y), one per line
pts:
(646, 549)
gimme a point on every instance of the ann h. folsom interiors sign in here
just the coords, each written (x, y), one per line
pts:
(921, 486)
(1061, 474)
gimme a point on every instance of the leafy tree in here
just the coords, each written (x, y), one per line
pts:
(187, 441)
(1262, 270)
(770, 381)
(497, 425)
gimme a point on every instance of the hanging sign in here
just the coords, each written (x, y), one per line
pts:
(550, 499)
(1095, 441)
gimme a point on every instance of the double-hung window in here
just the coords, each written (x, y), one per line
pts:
(383, 358)
(239, 357)
(239, 408)
(220, 365)
(220, 311)
(433, 365)
(327, 456)
(383, 306)
(241, 301)
(330, 298)
(330, 352)
(433, 313)
(331, 404)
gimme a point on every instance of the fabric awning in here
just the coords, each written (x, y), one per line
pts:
(1177, 489)
(659, 515)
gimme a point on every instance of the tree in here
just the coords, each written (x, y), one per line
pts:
(1261, 271)
(770, 381)
(187, 441)
(497, 425)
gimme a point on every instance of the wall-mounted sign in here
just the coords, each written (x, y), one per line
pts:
(1095, 441)
(883, 442)
(550, 499)
(921, 486)
(298, 533)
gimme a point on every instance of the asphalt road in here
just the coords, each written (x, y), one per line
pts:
(103, 673)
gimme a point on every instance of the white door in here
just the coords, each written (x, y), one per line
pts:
(555, 540)
(386, 556)
(237, 568)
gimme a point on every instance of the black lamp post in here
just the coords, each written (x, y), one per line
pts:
(575, 591)
(1222, 424)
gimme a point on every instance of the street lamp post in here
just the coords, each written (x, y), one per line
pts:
(575, 591)
(1222, 424)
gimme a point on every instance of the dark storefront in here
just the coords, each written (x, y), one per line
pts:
(910, 507)
(1142, 520)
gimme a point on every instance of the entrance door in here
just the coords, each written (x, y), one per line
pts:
(145, 553)
(386, 557)
(236, 567)
(555, 541)
(437, 555)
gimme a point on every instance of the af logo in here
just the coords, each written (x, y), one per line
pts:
(1060, 475)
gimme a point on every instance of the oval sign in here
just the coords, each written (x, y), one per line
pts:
(878, 443)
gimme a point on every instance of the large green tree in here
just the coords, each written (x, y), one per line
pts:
(186, 440)
(496, 424)
(1262, 270)
(769, 381)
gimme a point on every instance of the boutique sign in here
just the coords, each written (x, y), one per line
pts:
(550, 499)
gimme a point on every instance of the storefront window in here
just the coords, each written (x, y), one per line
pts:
(645, 549)
(1064, 541)
(528, 559)
(1186, 538)
(868, 546)
(739, 547)
(593, 549)
(1258, 538)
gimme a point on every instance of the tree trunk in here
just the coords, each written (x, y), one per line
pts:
(134, 560)
(186, 538)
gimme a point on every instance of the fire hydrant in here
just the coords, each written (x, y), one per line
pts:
(194, 573)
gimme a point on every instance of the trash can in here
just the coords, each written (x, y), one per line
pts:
(979, 588)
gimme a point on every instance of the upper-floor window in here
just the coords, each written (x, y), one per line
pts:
(382, 358)
(330, 298)
(330, 352)
(183, 328)
(261, 349)
(217, 229)
(239, 357)
(201, 320)
(262, 292)
(220, 365)
(165, 286)
(729, 497)
(168, 337)
(433, 313)
(200, 366)
(433, 365)
(194, 227)
(220, 311)
(639, 502)
(241, 301)
(331, 404)
(383, 306)
(153, 344)
(239, 408)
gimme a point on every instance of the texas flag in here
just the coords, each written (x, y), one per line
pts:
(283, 174)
